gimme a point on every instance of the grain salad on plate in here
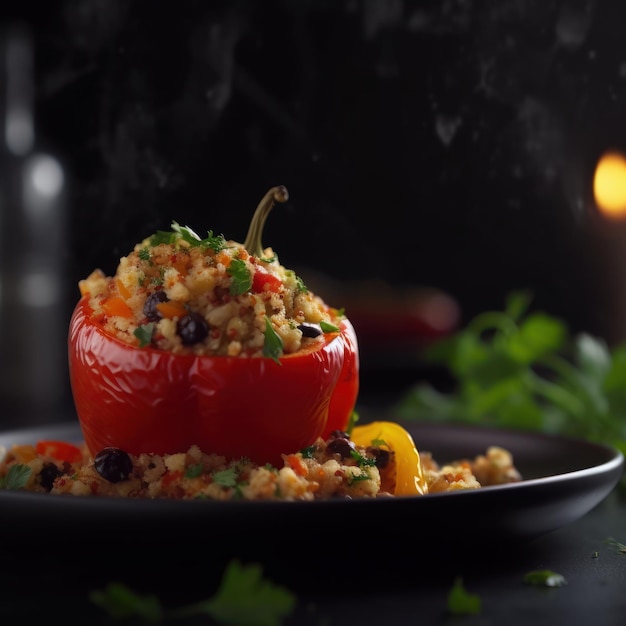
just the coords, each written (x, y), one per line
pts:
(333, 468)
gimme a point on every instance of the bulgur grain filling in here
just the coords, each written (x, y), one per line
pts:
(209, 296)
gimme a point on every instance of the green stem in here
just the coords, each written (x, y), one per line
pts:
(253, 239)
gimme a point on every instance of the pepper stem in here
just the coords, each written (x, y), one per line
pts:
(253, 242)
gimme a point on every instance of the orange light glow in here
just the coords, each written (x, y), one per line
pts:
(609, 185)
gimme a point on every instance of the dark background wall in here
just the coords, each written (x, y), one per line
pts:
(448, 144)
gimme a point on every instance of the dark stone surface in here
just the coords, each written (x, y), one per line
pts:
(444, 144)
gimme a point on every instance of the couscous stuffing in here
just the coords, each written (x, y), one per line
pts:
(328, 469)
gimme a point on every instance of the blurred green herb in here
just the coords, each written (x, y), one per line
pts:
(460, 602)
(544, 578)
(16, 477)
(521, 369)
(244, 598)
(121, 602)
(619, 547)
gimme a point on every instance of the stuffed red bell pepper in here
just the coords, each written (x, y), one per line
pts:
(210, 342)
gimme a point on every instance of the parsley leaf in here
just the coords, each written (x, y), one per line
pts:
(308, 452)
(523, 369)
(120, 602)
(16, 477)
(460, 602)
(244, 598)
(193, 471)
(273, 344)
(144, 334)
(241, 277)
(328, 328)
(185, 233)
(226, 478)
(300, 286)
(144, 254)
(361, 460)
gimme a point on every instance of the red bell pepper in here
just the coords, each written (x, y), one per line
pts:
(142, 399)
(59, 450)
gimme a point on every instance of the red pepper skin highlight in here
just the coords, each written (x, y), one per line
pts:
(345, 395)
(147, 400)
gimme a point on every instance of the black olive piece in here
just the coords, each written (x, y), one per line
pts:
(48, 474)
(342, 447)
(381, 456)
(310, 330)
(113, 464)
(339, 434)
(150, 307)
(192, 328)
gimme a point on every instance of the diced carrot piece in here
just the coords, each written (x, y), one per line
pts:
(116, 306)
(171, 309)
(122, 289)
(296, 464)
(181, 266)
(224, 258)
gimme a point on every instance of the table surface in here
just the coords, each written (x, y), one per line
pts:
(584, 553)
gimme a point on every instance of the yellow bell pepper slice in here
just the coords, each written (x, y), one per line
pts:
(410, 478)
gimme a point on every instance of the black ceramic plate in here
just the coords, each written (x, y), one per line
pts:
(563, 479)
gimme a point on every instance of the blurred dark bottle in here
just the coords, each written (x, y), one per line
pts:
(33, 320)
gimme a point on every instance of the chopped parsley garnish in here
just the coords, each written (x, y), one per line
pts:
(273, 344)
(16, 477)
(362, 461)
(193, 471)
(186, 234)
(358, 478)
(144, 254)
(241, 277)
(144, 334)
(300, 286)
(226, 478)
(308, 452)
